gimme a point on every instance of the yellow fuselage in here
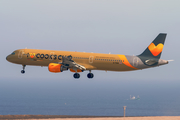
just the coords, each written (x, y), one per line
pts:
(91, 61)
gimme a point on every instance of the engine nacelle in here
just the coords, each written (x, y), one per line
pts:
(63, 68)
(55, 67)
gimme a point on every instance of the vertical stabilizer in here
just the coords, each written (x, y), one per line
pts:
(154, 50)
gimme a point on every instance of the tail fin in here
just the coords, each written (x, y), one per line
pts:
(154, 50)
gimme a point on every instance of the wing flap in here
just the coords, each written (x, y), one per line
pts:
(68, 62)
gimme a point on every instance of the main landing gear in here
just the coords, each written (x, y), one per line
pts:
(76, 75)
(23, 71)
(89, 75)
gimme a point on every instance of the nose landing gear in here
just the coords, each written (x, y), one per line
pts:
(23, 71)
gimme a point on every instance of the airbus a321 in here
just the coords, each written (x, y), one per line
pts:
(59, 61)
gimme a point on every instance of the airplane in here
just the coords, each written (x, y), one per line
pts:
(59, 61)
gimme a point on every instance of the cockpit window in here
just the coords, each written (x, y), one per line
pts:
(13, 53)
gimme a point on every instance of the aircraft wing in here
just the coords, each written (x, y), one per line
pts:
(69, 63)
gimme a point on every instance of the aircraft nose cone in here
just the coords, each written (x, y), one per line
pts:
(7, 58)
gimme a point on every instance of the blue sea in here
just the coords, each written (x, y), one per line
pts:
(89, 97)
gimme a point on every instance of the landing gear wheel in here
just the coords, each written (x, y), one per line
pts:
(90, 75)
(22, 71)
(76, 75)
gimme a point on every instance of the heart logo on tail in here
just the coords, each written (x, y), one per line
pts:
(156, 50)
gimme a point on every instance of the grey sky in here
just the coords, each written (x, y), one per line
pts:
(102, 26)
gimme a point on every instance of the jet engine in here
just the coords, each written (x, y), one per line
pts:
(55, 67)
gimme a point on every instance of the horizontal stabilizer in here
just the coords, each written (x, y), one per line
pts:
(170, 60)
(151, 62)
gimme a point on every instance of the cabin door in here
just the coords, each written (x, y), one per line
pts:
(135, 62)
(91, 59)
(20, 54)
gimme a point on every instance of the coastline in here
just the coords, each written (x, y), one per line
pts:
(73, 117)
